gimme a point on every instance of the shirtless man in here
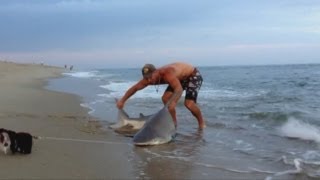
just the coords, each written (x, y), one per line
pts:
(179, 76)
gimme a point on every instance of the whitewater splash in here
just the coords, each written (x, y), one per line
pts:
(117, 89)
(87, 74)
(309, 168)
(298, 129)
(94, 74)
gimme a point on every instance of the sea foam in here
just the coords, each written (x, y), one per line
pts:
(84, 74)
(119, 88)
(297, 129)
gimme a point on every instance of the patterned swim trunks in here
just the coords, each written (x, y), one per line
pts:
(191, 84)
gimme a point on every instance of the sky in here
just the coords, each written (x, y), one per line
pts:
(130, 33)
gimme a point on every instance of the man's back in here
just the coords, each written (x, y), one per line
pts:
(180, 70)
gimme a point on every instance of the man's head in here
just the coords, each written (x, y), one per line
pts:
(147, 70)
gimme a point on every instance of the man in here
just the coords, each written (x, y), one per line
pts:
(179, 76)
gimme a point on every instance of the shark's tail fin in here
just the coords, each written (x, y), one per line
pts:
(121, 111)
(122, 115)
(171, 99)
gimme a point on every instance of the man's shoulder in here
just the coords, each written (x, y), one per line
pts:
(167, 70)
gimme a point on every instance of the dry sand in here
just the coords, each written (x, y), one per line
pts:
(74, 145)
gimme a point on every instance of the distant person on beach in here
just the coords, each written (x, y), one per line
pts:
(71, 67)
(179, 76)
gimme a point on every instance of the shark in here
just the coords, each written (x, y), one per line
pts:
(158, 129)
(127, 125)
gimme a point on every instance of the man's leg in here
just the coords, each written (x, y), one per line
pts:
(165, 98)
(195, 110)
(192, 90)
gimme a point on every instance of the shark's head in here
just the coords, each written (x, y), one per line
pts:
(148, 136)
(159, 129)
(154, 141)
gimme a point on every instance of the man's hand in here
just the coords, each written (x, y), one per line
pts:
(120, 104)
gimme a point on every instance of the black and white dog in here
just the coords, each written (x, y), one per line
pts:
(18, 141)
(5, 142)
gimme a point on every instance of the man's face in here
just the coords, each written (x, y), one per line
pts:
(151, 79)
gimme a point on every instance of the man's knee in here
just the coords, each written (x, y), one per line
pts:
(166, 96)
(188, 103)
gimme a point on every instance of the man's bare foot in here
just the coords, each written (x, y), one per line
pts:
(202, 126)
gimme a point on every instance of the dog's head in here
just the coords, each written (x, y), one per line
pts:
(5, 142)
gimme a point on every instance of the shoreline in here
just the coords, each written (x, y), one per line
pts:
(73, 144)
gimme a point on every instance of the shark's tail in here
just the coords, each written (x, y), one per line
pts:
(121, 111)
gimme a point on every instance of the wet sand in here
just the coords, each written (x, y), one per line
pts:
(72, 145)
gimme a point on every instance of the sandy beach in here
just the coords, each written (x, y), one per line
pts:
(240, 142)
(72, 145)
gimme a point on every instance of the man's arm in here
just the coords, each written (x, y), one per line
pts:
(131, 91)
(174, 82)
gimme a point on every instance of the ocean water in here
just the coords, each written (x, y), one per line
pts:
(263, 122)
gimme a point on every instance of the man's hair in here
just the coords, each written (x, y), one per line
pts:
(147, 70)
